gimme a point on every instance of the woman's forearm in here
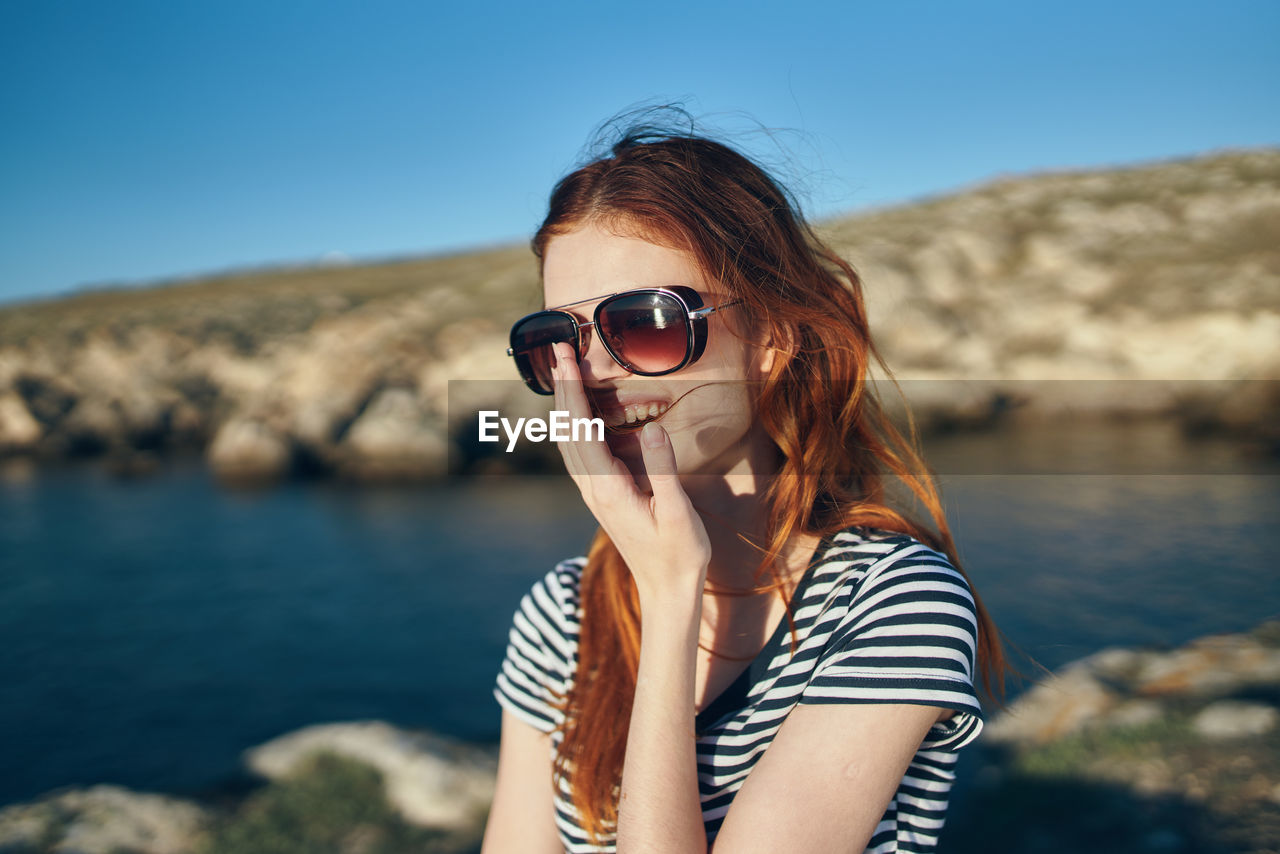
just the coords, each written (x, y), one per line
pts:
(659, 809)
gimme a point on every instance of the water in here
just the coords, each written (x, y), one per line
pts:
(151, 630)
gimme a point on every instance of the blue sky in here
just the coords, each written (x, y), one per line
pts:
(145, 140)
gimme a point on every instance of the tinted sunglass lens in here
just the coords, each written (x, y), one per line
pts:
(531, 341)
(648, 332)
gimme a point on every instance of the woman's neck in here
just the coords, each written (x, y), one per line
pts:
(733, 509)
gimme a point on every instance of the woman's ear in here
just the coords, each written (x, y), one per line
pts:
(777, 342)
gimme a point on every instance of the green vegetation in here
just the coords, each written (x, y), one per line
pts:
(1134, 221)
(247, 309)
(1078, 753)
(331, 805)
(1155, 786)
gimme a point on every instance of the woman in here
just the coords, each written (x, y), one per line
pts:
(758, 653)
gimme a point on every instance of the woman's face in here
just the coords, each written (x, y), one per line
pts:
(713, 428)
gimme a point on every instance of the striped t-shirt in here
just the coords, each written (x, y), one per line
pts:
(879, 618)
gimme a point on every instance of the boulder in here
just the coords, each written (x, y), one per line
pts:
(1210, 666)
(432, 781)
(92, 426)
(1060, 705)
(103, 820)
(246, 449)
(393, 439)
(1235, 719)
(19, 431)
(48, 397)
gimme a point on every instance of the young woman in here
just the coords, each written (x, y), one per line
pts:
(758, 653)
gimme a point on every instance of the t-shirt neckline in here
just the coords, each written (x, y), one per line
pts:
(734, 698)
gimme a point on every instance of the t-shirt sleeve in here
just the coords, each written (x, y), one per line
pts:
(909, 635)
(542, 649)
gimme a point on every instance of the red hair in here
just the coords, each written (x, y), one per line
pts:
(836, 443)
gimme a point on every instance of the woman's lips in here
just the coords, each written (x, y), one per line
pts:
(625, 408)
(633, 413)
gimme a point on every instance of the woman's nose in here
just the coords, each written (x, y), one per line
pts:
(594, 362)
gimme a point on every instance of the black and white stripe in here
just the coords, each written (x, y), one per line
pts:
(880, 618)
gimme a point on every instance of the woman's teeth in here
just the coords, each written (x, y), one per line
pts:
(635, 413)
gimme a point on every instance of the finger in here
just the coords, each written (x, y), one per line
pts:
(593, 454)
(578, 467)
(660, 466)
(568, 450)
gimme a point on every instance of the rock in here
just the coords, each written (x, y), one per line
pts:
(432, 781)
(227, 373)
(392, 439)
(1234, 719)
(47, 398)
(1210, 666)
(1125, 688)
(145, 415)
(1097, 277)
(91, 426)
(1168, 766)
(324, 383)
(1060, 705)
(245, 449)
(1117, 665)
(1135, 713)
(187, 425)
(132, 382)
(103, 820)
(19, 430)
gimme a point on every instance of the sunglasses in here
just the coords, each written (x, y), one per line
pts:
(648, 331)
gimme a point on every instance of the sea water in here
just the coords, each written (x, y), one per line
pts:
(153, 629)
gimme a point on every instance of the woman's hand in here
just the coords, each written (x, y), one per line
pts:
(665, 545)
(660, 536)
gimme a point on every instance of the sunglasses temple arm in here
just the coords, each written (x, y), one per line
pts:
(700, 313)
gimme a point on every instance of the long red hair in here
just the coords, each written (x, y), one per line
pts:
(836, 443)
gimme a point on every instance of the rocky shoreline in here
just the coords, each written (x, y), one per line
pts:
(1166, 275)
(1127, 750)
(1174, 751)
(362, 787)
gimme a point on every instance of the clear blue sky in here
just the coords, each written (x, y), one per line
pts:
(142, 140)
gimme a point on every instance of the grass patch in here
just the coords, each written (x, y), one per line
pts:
(1076, 754)
(331, 804)
(247, 309)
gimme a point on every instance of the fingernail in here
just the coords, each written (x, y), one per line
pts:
(651, 435)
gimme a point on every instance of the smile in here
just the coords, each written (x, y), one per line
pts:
(634, 414)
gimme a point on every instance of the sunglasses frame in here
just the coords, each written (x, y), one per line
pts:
(695, 323)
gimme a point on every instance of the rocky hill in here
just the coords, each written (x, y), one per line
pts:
(985, 299)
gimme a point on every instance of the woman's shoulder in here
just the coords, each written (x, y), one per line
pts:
(858, 562)
(894, 620)
(554, 601)
(542, 647)
(563, 582)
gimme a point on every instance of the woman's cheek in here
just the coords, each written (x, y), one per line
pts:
(697, 447)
